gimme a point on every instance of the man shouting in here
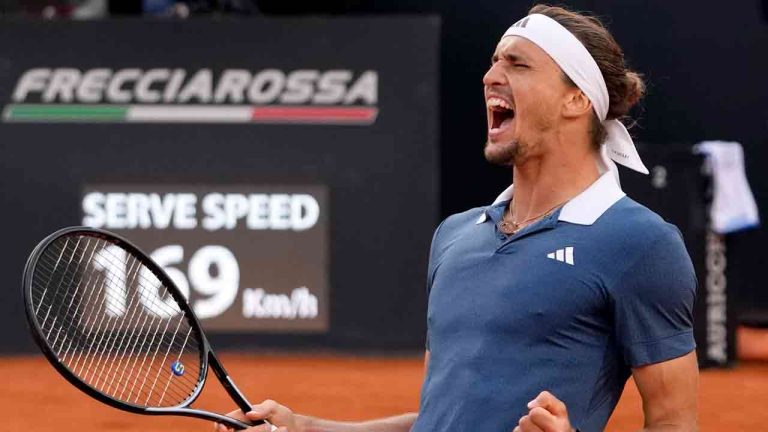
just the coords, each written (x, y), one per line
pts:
(542, 304)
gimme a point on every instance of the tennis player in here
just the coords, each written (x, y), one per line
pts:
(542, 304)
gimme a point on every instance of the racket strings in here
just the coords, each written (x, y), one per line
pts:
(105, 344)
(87, 322)
(112, 322)
(97, 370)
(154, 282)
(110, 305)
(155, 334)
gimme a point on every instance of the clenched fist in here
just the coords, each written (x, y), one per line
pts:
(546, 413)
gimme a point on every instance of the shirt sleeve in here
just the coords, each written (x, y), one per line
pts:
(431, 267)
(653, 303)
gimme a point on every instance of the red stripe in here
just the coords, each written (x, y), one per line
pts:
(315, 114)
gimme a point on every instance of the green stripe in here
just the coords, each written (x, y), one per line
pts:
(33, 112)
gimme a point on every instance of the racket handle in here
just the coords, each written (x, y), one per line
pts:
(228, 384)
(236, 394)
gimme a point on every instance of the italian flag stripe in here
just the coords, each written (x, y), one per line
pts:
(316, 114)
(31, 112)
(189, 114)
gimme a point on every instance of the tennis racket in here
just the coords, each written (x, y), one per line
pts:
(113, 323)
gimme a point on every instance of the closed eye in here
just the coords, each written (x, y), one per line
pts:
(516, 61)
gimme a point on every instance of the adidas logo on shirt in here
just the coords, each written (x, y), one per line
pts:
(563, 255)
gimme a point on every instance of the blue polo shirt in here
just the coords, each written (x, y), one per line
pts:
(569, 304)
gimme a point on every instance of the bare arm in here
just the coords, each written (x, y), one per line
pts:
(287, 421)
(669, 391)
(401, 423)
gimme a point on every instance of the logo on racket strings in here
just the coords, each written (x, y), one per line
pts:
(177, 368)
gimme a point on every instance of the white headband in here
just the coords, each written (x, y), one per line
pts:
(576, 62)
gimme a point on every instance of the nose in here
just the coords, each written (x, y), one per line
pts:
(494, 76)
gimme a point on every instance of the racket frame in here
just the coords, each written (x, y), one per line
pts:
(207, 357)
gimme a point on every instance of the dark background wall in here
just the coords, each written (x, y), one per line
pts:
(706, 67)
(706, 64)
(380, 178)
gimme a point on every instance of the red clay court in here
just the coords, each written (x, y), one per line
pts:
(36, 398)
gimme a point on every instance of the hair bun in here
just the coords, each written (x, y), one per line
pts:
(633, 90)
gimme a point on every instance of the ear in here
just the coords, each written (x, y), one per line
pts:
(576, 104)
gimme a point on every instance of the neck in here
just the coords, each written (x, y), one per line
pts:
(544, 182)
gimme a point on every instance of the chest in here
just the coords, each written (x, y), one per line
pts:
(544, 285)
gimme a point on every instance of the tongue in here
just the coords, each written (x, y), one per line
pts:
(502, 119)
(504, 123)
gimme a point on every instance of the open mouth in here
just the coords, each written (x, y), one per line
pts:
(501, 113)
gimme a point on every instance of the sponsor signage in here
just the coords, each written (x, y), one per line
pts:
(715, 297)
(177, 95)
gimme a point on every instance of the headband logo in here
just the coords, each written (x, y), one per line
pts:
(619, 154)
(522, 23)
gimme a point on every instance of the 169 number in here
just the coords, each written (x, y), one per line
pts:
(218, 289)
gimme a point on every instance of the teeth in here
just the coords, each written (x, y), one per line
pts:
(494, 102)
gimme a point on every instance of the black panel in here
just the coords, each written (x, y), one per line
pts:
(382, 178)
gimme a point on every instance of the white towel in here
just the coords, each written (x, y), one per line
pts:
(733, 205)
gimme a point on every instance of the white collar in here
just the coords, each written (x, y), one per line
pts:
(583, 209)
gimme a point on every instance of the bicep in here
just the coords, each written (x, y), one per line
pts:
(669, 391)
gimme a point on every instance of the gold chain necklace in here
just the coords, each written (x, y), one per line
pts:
(511, 227)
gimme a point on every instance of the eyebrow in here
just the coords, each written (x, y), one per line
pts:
(514, 58)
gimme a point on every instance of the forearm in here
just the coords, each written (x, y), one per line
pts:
(672, 427)
(401, 423)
